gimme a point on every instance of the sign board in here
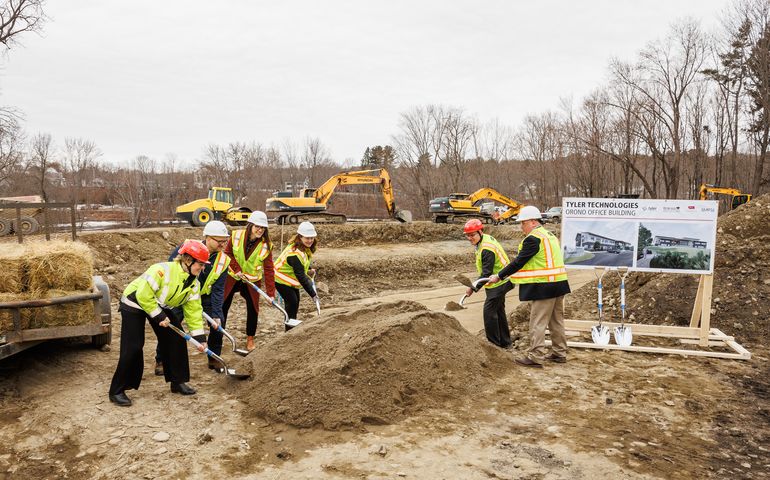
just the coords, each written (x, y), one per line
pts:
(672, 236)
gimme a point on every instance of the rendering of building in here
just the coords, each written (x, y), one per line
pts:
(593, 242)
(663, 241)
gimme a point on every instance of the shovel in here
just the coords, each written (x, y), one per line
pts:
(289, 322)
(317, 301)
(623, 335)
(237, 351)
(468, 283)
(599, 333)
(228, 371)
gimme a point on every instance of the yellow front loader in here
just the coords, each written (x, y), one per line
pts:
(217, 206)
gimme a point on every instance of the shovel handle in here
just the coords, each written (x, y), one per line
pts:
(195, 343)
(219, 328)
(268, 298)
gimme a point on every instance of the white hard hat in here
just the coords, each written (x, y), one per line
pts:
(258, 218)
(215, 228)
(306, 229)
(529, 213)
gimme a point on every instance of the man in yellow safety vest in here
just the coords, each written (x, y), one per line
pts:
(539, 271)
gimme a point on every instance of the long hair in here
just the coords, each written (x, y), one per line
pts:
(298, 243)
(265, 236)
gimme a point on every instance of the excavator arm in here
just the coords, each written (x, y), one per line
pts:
(359, 177)
(738, 198)
(492, 194)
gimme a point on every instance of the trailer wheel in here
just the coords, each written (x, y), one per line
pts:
(101, 340)
(5, 226)
(27, 225)
(202, 216)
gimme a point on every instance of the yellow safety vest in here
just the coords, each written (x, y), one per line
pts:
(488, 242)
(162, 284)
(284, 273)
(252, 267)
(547, 265)
(221, 262)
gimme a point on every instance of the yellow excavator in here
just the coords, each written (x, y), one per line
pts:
(737, 199)
(312, 203)
(463, 206)
(217, 206)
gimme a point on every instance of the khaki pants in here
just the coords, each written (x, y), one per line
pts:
(547, 313)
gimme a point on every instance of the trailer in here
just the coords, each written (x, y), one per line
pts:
(99, 329)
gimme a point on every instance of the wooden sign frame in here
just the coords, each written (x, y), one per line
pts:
(698, 333)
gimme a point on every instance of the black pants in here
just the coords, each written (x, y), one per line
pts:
(495, 321)
(290, 297)
(252, 302)
(173, 352)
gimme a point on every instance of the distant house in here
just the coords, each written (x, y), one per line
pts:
(590, 241)
(663, 241)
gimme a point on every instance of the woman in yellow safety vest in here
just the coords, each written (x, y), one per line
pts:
(151, 297)
(251, 255)
(293, 266)
(490, 259)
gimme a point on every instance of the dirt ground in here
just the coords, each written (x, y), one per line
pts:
(387, 384)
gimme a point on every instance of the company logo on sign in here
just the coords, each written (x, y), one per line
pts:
(691, 207)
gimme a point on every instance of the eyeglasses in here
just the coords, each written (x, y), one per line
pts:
(219, 242)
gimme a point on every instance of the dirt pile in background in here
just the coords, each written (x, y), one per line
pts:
(741, 295)
(369, 366)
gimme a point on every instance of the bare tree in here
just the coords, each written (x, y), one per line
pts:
(11, 155)
(314, 156)
(80, 155)
(41, 152)
(19, 16)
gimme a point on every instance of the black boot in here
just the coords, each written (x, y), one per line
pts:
(215, 365)
(182, 388)
(120, 399)
(159, 369)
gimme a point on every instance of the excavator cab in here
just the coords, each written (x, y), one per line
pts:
(739, 200)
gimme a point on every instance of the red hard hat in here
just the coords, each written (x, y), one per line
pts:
(195, 249)
(473, 225)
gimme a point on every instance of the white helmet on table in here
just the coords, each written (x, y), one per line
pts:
(306, 229)
(215, 228)
(529, 213)
(258, 218)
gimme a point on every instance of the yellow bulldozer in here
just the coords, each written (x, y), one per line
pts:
(219, 205)
(737, 198)
(311, 204)
(463, 207)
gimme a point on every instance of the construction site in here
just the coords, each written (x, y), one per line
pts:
(388, 382)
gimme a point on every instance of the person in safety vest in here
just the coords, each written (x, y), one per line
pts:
(293, 267)
(212, 280)
(151, 297)
(539, 271)
(251, 255)
(490, 258)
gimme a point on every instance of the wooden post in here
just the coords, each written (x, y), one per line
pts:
(705, 315)
(18, 224)
(72, 220)
(46, 228)
(697, 306)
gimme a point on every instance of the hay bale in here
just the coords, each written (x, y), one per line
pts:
(6, 316)
(59, 265)
(13, 261)
(67, 314)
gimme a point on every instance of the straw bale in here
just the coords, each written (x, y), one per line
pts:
(67, 314)
(13, 264)
(59, 265)
(6, 316)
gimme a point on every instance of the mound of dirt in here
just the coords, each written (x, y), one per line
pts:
(741, 295)
(370, 366)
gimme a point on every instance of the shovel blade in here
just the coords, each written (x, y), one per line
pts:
(600, 335)
(292, 322)
(623, 336)
(242, 352)
(230, 372)
(464, 280)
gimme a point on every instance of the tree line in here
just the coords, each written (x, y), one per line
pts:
(690, 108)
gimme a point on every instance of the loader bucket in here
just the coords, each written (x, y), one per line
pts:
(403, 216)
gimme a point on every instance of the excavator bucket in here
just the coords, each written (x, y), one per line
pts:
(403, 216)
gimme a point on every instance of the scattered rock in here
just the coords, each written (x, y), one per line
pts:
(737, 326)
(160, 451)
(670, 403)
(204, 437)
(282, 409)
(382, 451)
(161, 437)
(114, 441)
(611, 452)
(164, 234)
(278, 439)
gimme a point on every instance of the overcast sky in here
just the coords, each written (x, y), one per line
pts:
(160, 77)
